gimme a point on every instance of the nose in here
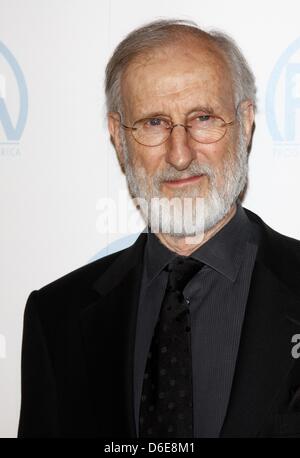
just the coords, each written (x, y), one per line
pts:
(179, 152)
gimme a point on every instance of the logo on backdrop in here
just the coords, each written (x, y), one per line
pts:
(13, 103)
(283, 101)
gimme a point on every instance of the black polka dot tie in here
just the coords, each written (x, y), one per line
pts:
(166, 408)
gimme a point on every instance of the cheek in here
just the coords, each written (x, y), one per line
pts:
(147, 158)
(213, 154)
(218, 152)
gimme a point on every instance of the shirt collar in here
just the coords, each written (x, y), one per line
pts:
(223, 252)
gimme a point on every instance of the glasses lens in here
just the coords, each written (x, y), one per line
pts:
(207, 128)
(151, 131)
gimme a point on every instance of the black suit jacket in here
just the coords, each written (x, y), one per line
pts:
(78, 348)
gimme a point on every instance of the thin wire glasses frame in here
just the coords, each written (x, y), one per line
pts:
(220, 129)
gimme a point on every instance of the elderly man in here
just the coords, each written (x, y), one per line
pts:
(190, 331)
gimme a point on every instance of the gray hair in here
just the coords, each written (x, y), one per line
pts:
(160, 32)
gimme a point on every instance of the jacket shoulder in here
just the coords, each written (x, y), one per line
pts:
(82, 276)
(70, 292)
(289, 244)
(279, 252)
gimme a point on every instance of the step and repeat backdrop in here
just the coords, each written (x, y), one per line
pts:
(61, 186)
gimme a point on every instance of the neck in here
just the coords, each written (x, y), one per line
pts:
(185, 246)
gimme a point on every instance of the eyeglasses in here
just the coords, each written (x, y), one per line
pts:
(203, 128)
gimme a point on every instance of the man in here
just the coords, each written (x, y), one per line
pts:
(190, 331)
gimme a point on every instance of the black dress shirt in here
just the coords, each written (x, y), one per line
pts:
(218, 296)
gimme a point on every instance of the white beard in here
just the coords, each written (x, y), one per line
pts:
(186, 221)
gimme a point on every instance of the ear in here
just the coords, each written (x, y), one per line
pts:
(114, 127)
(247, 116)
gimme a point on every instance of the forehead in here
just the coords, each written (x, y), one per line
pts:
(177, 77)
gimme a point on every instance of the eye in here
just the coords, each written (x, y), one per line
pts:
(154, 123)
(204, 118)
(203, 121)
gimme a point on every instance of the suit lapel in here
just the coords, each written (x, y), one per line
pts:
(108, 327)
(264, 359)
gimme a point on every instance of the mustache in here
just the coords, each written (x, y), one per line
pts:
(194, 169)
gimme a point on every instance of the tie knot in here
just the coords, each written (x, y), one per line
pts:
(181, 270)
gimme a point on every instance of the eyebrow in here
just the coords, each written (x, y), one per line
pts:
(204, 108)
